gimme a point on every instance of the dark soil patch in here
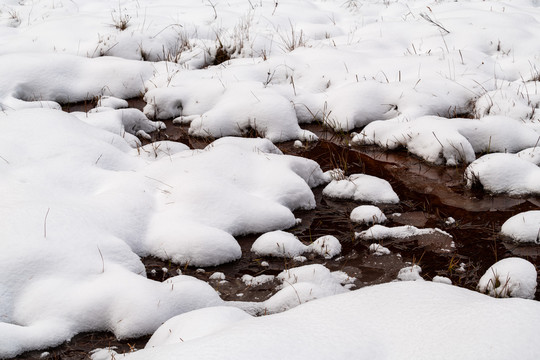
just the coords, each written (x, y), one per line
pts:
(80, 346)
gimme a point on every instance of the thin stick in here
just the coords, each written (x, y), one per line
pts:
(45, 224)
(102, 260)
(433, 22)
(433, 132)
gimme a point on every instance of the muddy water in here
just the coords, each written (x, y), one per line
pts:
(429, 195)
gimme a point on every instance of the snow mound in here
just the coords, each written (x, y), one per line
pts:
(410, 273)
(379, 232)
(251, 107)
(217, 276)
(195, 324)
(305, 283)
(510, 174)
(322, 329)
(327, 246)
(26, 79)
(257, 280)
(367, 214)
(279, 244)
(510, 277)
(377, 249)
(523, 227)
(361, 187)
(517, 100)
(132, 120)
(111, 102)
(442, 280)
(449, 141)
(230, 188)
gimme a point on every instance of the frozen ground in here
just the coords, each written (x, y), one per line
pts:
(453, 83)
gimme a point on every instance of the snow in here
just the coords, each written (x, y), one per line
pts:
(379, 232)
(362, 187)
(283, 244)
(377, 249)
(84, 205)
(442, 280)
(303, 284)
(449, 141)
(279, 244)
(217, 276)
(327, 246)
(367, 214)
(26, 79)
(257, 280)
(510, 277)
(83, 200)
(410, 273)
(523, 227)
(195, 324)
(346, 325)
(504, 173)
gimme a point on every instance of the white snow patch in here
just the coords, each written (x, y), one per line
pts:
(195, 324)
(111, 102)
(362, 187)
(410, 273)
(504, 173)
(327, 246)
(523, 227)
(378, 250)
(510, 277)
(379, 232)
(449, 141)
(303, 284)
(279, 244)
(257, 280)
(442, 280)
(367, 214)
(217, 276)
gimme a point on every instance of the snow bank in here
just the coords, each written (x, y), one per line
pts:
(510, 277)
(26, 79)
(361, 187)
(338, 326)
(449, 141)
(523, 227)
(238, 109)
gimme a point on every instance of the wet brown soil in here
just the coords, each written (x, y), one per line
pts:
(429, 196)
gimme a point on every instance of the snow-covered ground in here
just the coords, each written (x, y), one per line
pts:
(83, 200)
